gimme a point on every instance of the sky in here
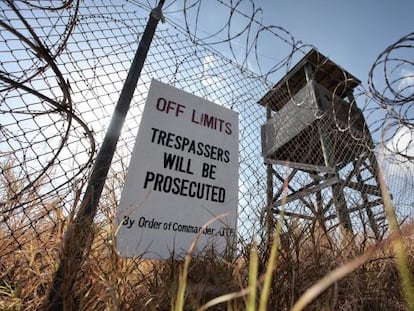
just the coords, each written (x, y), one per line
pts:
(351, 33)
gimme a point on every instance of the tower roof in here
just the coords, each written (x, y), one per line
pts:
(325, 72)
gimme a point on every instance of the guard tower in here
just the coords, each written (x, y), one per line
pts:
(319, 153)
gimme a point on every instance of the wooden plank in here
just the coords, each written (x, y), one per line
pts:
(287, 181)
(358, 208)
(281, 190)
(363, 188)
(301, 166)
(307, 191)
(290, 214)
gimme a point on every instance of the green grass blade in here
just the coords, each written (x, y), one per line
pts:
(253, 268)
(271, 266)
(398, 244)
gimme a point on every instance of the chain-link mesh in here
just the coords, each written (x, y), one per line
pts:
(62, 67)
(325, 166)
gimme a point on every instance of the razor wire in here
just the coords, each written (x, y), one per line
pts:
(63, 65)
(59, 82)
(396, 97)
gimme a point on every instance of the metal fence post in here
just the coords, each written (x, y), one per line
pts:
(79, 233)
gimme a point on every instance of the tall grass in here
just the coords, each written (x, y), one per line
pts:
(306, 268)
(367, 281)
(398, 245)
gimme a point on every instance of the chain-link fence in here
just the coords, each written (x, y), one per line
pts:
(57, 106)
(62, 68)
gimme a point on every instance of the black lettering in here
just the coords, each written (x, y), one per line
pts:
(191, 192)
(158, 182)
(193, 119)
(222, 195)
(161, 138)
(149, 177)
(176, 188)
(207, 149)
(125, 220)
(208, 187)
(208, 171)
(186, 142)
(161, 104)
(170, 138)
(200, 191)
(169, 160)
(214, 194)
(221, 125)
(192, 147)
(200, 147)
(141, 222)
(226, 156)
(220, 154)
(213, 154)
(154, 133)
(167, 184)
(208, 121)
(184, 187)
(178, 141)
(228, 130)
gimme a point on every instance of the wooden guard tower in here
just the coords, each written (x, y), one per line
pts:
(319, 153)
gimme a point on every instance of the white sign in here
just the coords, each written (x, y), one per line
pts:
(183, 173)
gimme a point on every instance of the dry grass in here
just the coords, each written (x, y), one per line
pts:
(352, 275)
(108, 282)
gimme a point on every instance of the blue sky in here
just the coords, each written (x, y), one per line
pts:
(351, 33)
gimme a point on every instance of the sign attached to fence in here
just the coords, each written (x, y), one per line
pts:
(183, 174)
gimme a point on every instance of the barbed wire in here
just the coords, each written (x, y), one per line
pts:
(63, 65)
(393, 70)
(239, 31)
(29, 60)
